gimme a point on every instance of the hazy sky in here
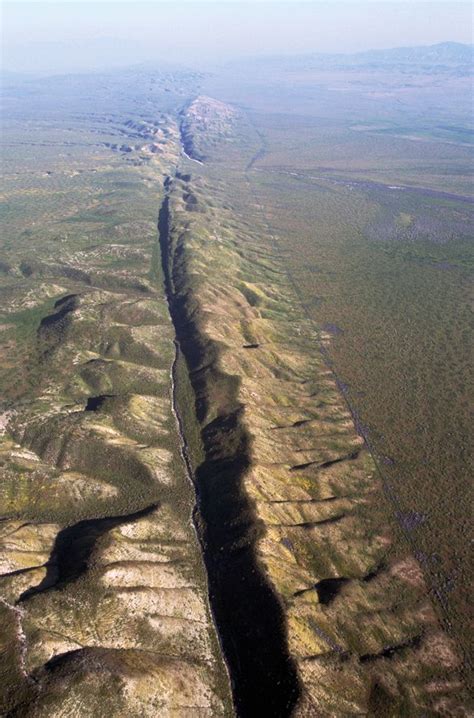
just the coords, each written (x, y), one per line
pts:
(55, 36)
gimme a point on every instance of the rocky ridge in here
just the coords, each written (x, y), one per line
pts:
(303, 519)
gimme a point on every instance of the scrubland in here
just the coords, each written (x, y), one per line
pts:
(231, 345)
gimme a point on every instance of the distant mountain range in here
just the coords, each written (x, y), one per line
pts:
(453, 57)
(444, 53)
(111, 53)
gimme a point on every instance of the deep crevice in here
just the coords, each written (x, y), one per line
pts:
(315, 524)
(94, 403)
(391, 651)
(325, 464)
(327, 589)
(248, 615)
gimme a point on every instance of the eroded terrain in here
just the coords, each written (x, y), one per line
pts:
(104, 594)
(188, 508)
(351, 628)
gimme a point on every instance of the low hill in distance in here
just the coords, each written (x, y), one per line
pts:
(444, 56)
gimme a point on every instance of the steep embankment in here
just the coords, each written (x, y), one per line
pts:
(322, 609)
(263, 674)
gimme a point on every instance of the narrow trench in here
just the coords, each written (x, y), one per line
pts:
(247, 614)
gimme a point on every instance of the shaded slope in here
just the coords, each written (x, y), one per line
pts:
(248, 615)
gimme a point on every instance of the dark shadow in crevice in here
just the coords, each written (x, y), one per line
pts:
(73, 549)
(391, 651)
(94, 403)
(248, 615)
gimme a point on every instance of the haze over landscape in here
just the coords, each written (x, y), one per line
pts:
(236, 359)
(71, 35)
